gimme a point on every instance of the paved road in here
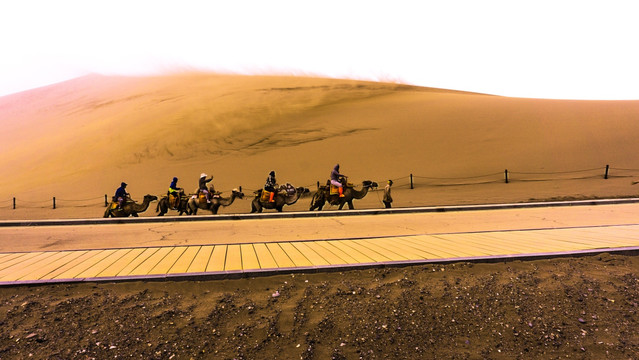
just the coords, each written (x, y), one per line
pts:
(76, 237)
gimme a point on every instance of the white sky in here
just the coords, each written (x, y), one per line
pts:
(550, 49)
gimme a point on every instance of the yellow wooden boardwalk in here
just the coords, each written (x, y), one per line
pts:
(252, 258)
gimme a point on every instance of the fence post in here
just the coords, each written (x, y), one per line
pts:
(240, 188)
(606, 174)
(54, 202)
(506, 175)
(14, 203)
(318, 184)
(106, 203)
(411, 181)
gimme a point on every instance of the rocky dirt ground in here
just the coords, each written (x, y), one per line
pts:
(574, 307)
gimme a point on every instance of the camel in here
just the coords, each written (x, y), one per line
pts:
(286, 195)
(323, 195)
(194, 204)
(164, 207)
(129, 208)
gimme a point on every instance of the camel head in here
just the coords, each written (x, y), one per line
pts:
(150, 197)
(238, 193)
(369, 184)
(302, 190)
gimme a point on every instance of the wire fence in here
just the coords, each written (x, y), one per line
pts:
(507, 176)
(411, 181)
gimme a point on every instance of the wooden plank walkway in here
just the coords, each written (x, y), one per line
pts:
(316, 255)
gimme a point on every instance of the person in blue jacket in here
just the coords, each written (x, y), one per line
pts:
(121, 194)
(175, 191)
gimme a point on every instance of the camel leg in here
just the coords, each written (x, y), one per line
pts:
(350, 205)
(134, 214)
(319, 206)
(256, 207)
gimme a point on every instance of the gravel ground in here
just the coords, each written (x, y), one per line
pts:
(576, 307)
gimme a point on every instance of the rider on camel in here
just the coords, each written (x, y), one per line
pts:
(203, 189)
(175, 191)
(335, 180)
(270, 185)
(121, 194)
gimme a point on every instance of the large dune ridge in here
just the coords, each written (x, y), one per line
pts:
(81, 138)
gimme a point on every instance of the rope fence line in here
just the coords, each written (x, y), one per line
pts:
(556, 172)
(457, 178)
(520, 176)
(411, 181)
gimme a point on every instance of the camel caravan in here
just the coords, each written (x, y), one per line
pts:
(337, 192)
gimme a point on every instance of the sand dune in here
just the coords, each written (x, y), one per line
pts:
(78, 140)
(81, 138)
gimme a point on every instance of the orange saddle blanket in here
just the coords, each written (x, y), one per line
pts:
(335, 190)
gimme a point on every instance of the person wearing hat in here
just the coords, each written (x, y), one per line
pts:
(121, 194)
(175, 191)
(270, 185)
(388, 199)
(203, 188)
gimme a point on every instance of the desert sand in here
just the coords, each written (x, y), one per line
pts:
(76, 141)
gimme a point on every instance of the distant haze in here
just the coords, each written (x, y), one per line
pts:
(545, 49)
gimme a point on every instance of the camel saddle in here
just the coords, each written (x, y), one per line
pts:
(173, 200)
(114, 202)
(201, 197)
(334, 190)
(289, 189)
(265, 196)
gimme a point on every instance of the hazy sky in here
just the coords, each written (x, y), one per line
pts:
(551, 49)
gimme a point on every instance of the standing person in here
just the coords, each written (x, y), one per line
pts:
(335, 180)
(203, 188)
(121, 194)
(388, 199)
(270, 185)
(175, 191)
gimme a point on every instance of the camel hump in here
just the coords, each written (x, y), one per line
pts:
(369, 183)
